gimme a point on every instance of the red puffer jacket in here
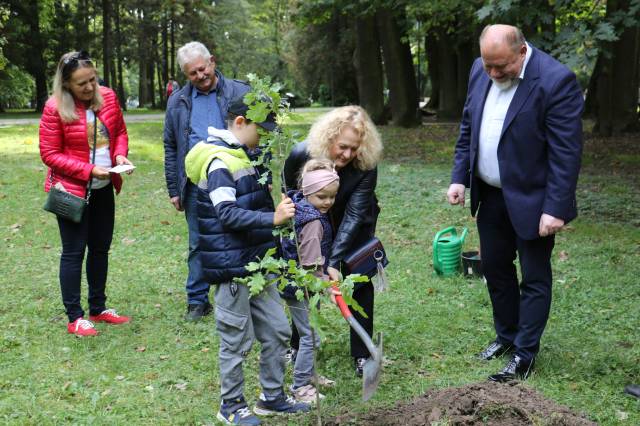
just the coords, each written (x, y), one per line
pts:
(65, 149)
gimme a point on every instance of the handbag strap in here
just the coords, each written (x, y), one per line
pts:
(93, 154)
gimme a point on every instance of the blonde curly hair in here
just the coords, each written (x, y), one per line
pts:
(326, 129)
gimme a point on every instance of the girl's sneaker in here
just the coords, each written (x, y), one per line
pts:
(81, 327)
(306, 393)
(109, 316)
(282, 404)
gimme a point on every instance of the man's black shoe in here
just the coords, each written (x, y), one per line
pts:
(494, 350)
(195, 312)
(633, 390)
(516, 368)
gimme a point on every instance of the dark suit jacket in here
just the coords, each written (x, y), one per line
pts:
(540, 147)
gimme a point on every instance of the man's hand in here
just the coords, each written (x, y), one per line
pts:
(121, 159)
(284, 211)
(175, 201)
(455, 194)
(549, 225)
(101, 173)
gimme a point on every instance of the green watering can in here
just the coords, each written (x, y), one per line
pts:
(447, 247)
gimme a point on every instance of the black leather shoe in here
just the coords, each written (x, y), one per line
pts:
(494, 350)
(359, 365)
(633, 390)
(516, 368)
(195, 312)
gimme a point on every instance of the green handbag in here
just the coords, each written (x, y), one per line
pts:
(65, 204)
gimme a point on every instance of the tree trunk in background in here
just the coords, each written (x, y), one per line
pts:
(106, 45)
(465, 57)
(151, 71)
(37, 65)
(165, 57)
(616, 80)
(449, 107)
(172, 51)
(82, 26)
(368, 64)
(120, 87)
(401, 78)
(431, 49)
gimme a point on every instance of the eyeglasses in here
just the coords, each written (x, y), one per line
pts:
(72, 62)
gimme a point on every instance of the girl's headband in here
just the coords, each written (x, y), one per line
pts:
(315, 180)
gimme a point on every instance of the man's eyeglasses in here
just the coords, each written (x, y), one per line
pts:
(72, 62)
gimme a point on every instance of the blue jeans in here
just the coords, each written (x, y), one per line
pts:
(197, 287)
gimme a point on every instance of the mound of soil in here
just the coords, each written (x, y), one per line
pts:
(487, 403)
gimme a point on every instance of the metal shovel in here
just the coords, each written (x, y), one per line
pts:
(372, 368)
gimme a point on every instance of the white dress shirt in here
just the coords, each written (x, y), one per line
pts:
(493, 115)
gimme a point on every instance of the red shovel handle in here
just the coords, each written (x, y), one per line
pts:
(344, 309)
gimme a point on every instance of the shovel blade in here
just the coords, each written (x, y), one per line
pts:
(372, 371)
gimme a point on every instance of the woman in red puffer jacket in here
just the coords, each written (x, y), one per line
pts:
(77, 105)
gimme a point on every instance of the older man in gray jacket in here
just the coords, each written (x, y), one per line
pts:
(201, 103)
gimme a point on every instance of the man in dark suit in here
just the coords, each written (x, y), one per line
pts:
(519, 153)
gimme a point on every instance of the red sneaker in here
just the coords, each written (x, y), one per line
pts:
(81, 327)
(110, 316)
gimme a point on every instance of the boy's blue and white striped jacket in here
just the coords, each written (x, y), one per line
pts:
(235, 212)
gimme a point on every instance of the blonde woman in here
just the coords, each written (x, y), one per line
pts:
(77, 106)
(348, 137)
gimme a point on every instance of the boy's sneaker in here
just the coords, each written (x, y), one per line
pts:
(109, 316)
(306, 393)
(282, 404)
(236, 412)
(82, 327)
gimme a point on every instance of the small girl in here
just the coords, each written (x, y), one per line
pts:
(319, 186)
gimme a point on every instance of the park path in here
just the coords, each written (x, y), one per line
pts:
(128, 118)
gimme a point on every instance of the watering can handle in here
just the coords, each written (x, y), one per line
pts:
(436, 258)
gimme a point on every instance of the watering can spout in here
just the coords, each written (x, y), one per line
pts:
(464, 235)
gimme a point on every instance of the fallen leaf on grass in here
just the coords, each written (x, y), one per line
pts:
(204, 350)
(141, 348)
(128, 241)
(180, 386)
(119, 377)
(563, 255)
(622, 415)
(436, 355)
(148, 388)
(164, 357)
(15, 227)
(157, 305)
(106, 392)
(66, 386)
(164, 222)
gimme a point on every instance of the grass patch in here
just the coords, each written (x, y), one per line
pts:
(159, 369)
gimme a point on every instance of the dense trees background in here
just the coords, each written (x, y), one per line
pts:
(387, 55)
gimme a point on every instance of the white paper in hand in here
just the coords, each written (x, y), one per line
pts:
(121, 168)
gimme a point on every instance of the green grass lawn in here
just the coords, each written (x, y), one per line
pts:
(161, 370)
